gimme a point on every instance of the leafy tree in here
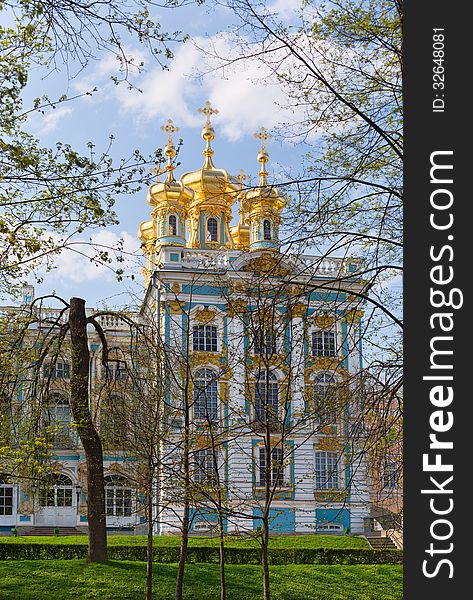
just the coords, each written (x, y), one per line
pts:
(48, 194)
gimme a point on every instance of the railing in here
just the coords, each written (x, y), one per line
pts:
(326, 265)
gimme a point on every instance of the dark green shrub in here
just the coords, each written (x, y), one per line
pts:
(206, 554)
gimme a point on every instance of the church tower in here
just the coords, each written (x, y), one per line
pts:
(263, 205)
(215, 191)
(170, 201)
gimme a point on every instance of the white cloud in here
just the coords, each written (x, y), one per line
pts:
(242, 91)
(44, 124)
(74, 264)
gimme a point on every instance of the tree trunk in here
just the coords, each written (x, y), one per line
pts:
(149, 549)
(223, 585)
(183, 552)
(87, 432)
(264, 557)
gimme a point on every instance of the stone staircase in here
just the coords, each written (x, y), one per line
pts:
(379, 542)
(47, 530)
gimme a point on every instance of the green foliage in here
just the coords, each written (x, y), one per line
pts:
(51, 580)
(282, 541)
(48, 194)
(205, 554)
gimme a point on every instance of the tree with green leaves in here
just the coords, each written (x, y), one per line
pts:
(50, 194)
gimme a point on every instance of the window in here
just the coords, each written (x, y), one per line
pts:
(57, 416)
(204, 337)
(59, 370)
(326, 470)
(323, 343)
(204, 467)
(265, 341)
(6, 498)
(116, 370)
(325, 399)
(118, 496)
(390, 475)
(113, 423)
(172, 225)
(212, 230)
(266, 229)
(205, 395)
(56, 491)
(274, 470)
(266, 397)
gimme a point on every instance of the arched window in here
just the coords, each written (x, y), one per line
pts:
(205, 394)
(212, 230)
(118, 496)
(325, 399)
(172, 225)
(266, 397)
(56, 490)
(6, 497)
(57, 416)
(113, 424)
(266, 229)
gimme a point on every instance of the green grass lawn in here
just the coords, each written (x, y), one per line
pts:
(74, 579)
(299, 541)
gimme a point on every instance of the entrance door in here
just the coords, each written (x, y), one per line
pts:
(57, 504)
(7, 502)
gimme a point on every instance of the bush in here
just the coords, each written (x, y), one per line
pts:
(207, 554)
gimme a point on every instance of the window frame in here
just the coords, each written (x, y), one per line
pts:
(204, 472)
(264, 341)
(208, 408)
(207, 338)
(270, 399)
(211, 236)
(172, 227)
(330, 472)
(326, 346)
(125, 499)
(267, 230)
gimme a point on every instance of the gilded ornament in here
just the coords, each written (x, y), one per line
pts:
(329, 444)
(176, 306)
(266, 264)
(205, 315)
(331, 496)
(298, 310)
(236, 307)
(324, 321)
(352, 316)
(326, 363)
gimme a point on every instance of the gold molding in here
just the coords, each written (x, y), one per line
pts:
(298, 310)
(266, 264)
(176, 307)
(324, 321)
(329, 444)
(205, 315)
(352, 316)
(237, 307)
(327, 363)
(331, 496)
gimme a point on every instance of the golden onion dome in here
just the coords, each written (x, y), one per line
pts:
(210, 182)
(169, 190)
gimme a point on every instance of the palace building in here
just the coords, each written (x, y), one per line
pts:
(257, 354)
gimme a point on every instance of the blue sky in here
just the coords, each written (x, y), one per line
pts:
(244, 95)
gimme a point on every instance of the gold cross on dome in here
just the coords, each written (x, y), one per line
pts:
(241, 177)
(157, 171)
(208, 111)
(169, 128)
(263, 135)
